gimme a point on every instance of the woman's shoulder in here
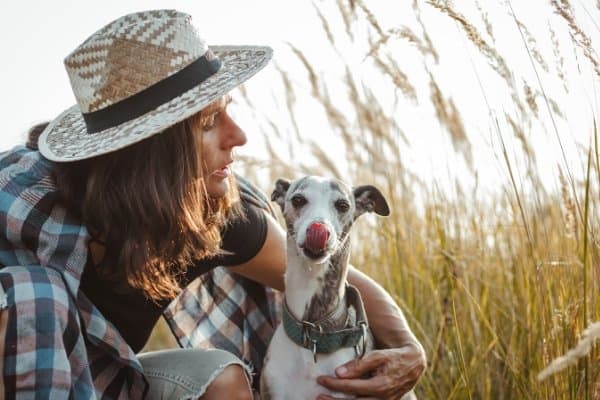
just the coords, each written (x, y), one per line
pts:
(252, 195)
(37, 228)
(23, 168)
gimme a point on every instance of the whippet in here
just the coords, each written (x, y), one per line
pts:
(323, 323)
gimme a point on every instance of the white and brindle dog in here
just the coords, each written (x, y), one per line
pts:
(323, 323)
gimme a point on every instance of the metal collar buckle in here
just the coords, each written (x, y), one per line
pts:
(363, 350)
(310, 342)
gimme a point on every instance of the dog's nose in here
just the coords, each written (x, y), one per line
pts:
(316, 237)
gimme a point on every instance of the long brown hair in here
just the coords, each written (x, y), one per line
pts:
(149, 201)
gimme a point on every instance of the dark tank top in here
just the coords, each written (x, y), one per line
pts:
(135, 316)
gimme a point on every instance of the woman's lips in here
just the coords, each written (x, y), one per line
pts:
(222, 172)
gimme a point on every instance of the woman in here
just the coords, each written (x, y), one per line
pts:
(129, 199)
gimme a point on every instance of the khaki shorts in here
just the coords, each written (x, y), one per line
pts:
(184, 373)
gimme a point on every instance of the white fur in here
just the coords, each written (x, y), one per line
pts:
(290, 371)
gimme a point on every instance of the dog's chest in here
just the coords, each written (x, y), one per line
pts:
(292, 372)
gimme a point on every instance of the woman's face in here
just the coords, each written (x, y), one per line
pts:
(220, 134)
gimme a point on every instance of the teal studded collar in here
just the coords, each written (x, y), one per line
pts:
(313, 337)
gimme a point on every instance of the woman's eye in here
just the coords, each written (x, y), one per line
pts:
(298, 201)
(210, 122)
(342, 206)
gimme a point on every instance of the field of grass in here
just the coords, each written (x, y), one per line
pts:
(492, 248)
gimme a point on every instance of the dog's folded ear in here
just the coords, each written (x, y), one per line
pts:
(369, 199)
(278, 195)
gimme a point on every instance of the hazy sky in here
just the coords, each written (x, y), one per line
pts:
(35, 36)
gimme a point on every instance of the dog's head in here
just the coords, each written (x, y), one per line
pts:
(319, 212)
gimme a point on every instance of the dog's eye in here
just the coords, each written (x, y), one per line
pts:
(298, 201)
(342, 206)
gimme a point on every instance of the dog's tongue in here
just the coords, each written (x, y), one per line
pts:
(316, 237)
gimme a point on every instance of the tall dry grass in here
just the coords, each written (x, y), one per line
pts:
(497, 283)
(496, 279)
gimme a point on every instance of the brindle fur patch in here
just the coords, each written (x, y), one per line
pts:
(321, 303)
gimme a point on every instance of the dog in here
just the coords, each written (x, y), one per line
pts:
(323, 323)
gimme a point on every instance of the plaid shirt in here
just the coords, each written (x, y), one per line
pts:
(58, 345)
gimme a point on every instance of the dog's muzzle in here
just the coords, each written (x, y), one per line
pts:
(316, 238)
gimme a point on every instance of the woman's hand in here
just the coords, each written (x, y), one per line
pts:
(390, 373)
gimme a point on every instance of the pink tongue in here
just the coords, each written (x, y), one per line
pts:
(316, 237)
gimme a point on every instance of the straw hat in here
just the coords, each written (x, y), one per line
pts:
(139, 75)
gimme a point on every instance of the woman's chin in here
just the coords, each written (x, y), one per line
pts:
(217, 188)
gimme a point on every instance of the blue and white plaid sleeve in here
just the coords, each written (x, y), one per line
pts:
(224, 310)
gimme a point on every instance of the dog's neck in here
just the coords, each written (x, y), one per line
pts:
(316, 291)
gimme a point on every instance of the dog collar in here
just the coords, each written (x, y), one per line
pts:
(313, 337)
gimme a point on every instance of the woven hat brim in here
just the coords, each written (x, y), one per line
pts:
(66, 137)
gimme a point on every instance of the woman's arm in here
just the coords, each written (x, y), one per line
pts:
(268, 265)
(386, 319)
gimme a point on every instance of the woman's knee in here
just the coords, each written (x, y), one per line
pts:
(207, 374)
(231, 383)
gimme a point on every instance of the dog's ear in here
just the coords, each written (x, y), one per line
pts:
(368, 199)
(278, 195)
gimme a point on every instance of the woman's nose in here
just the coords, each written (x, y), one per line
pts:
(233, 135)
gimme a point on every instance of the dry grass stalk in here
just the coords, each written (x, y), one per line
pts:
(384, 124)
(569, 209)
(558, 57)
(484, 16)
(530, 98)
(390, 68)
(381, 41)
(583, 348)
(423, 46)
(325, 160)
(493, 57)
(278, 166)
(556, 108)
(577, 34)
(373, 124)
(354, 97)
(370, 17)
(532, 45)
(430, 47)
(367, 115)
(520, 135)
(517, 102)
(346, 17)
(326, 27)
(402, 33)
(448, 115)
(290, 99)
(312, 75)
(336, 118)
